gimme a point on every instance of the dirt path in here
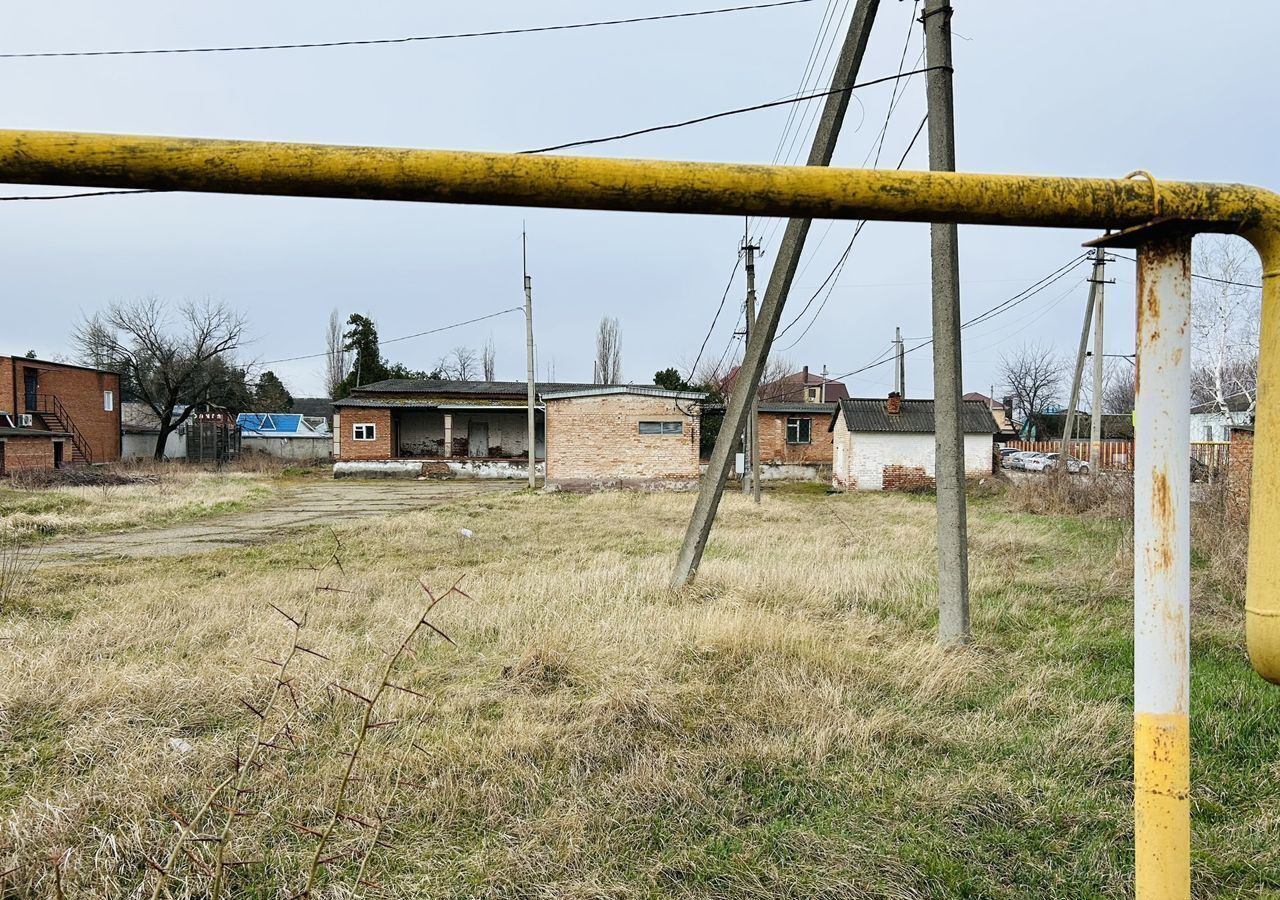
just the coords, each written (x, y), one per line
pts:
(322, 503)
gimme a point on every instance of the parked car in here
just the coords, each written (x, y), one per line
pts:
(1037, 462)
(1014, 460)
(1005, 453)
(1074, 466)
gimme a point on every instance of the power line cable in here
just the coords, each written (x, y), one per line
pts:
(412, 39)
(406, 337)
(834, 275)
(804, 77)
(1227, 281)
(803, 98)
(1005, 305)
(693, 369)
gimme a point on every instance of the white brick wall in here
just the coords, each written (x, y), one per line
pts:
(861, 457)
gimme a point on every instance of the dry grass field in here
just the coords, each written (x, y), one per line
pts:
(785, 728)
(159, 495)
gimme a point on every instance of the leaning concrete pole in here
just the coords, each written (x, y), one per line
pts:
(775, 296)
(953, 551)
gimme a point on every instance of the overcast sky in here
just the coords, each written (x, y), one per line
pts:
(1089, 88)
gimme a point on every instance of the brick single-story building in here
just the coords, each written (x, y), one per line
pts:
(55, 414)
(622, 435)
(465, 427)
(480, 429)
(889, 444)
(796, 433)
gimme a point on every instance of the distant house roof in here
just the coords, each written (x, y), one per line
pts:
(430, 393)
(281, 425)
(791, 388)
(313, 406)
(1235, 403)
(766, 406)
(606, 390)
(915, 416)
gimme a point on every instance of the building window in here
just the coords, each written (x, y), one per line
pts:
(662, 427)
(108, 401)
(799, 430)
(1208, 432)
(364, 432)
(812, 395)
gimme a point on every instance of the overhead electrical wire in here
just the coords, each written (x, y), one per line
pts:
(412, 39)
(693, 369)
(1226, 281)
(803, 98)
(834, 275)
(1000, 308)
(501, 312)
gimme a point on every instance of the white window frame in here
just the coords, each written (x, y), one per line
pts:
(364, 431)
(813, 394)
(797, 420)
(108, 401)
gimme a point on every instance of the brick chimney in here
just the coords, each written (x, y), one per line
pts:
(893, 406)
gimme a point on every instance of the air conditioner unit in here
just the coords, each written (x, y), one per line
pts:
(24, 420)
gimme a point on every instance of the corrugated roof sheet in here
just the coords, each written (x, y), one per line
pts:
(606, 390)
(440, 386)
(916, 416)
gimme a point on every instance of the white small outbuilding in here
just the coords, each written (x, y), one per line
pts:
(888, 444)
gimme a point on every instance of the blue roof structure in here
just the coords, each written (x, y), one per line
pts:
(280, 425)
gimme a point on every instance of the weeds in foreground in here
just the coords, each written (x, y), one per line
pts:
(18, 563)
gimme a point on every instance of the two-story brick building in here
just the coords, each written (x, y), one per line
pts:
(55, 414)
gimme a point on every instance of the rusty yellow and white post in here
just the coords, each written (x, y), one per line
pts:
(1162, 572)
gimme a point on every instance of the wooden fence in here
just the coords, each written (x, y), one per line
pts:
(1214, 455)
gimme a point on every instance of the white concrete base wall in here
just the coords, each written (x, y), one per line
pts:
(143, 446)
(314, 449)
(861, 458)
(486, 469)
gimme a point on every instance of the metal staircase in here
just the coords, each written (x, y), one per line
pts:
(56, 418)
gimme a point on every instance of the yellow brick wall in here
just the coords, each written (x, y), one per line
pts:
(599, 439)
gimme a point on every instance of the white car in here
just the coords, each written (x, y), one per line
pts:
(1037, 462)
(1018, 460)
(1074, 466)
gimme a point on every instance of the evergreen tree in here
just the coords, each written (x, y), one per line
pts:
(270, 395)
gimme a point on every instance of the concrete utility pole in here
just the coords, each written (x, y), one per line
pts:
(953, 537)
(1095, 424)
(775, 297)
(752, 446)
(1069, 426)
(528, 335)
(899, 364)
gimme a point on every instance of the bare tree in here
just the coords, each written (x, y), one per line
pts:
(1225, 318)
(608, 367)
(337, 361)
(167, 358)
(1120, 390)
(1034, 375)
(459, 364)
(773, 385)
(488, 357)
